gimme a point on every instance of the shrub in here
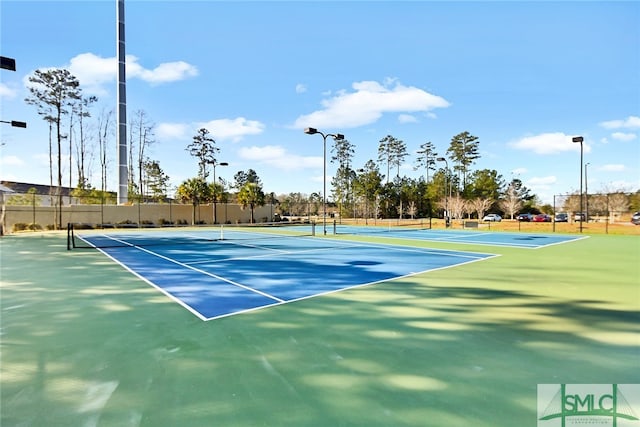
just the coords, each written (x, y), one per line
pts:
(22, 226)
(82, 226)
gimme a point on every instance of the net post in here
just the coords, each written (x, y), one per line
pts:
(221, 231)
(313, 228)
(69, 236)
(335, 228)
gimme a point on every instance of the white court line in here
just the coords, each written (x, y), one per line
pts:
(344, 245)
(149, 282)
(333, 291)
(451, 238)
(206, 273)
(212, 275)
(269, 255)
(473, 257)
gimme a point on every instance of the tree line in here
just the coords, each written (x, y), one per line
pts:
(60, 101)
(448, 186)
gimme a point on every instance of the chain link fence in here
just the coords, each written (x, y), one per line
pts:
(31, 211)
(599, 207)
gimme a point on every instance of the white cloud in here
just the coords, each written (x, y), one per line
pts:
(612, 168)
(549, 143)
(11, 161)
(519, 171)
(220, 129)
(300, 88)
(6, 92)
(407, 118)
(631, 122)
(621, 136)
(368, 101)
(43, 160)
(232, 129)
(543, 181)
(168, 131)
(94, 71)
(543, 187)
(278, 157)
(163, 73)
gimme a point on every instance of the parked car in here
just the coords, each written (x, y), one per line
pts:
(635, 219)
(492, 218)
(562, 217)
(579, 217)
(525, 217)
(542, 218)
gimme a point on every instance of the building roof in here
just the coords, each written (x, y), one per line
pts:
(24, 187)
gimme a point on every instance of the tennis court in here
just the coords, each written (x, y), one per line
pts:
(517, 240)
(219, 272)
(87, 343)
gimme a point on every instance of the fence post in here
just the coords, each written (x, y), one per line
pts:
(33, 209)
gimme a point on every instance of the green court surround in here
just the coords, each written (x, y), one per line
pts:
(85, 343)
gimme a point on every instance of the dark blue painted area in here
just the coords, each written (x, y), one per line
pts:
(510, 239)
(208, 295)
(299, 275)
(523, 240)
(227, 277)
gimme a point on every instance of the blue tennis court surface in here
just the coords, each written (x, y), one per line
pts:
(214, 279)
(511, 239)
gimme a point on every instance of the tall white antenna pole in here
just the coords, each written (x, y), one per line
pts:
(121, 99)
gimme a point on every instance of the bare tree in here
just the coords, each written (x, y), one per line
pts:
(511, 203)
(412, 209)
(457, 206)
(144, 131)
(53, 92)
(480, 206)
(618, 203)
(50, 120)
(82, 112)
(105, 130)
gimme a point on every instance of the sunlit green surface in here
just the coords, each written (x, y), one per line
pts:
(85, 343)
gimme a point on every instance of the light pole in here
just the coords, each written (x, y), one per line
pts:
(586, 193)
(336, 137)
(10, 64)
(15, 123)
(215, 196)
(360, 171)
(446, 199)
(7, 63)
(580, 139)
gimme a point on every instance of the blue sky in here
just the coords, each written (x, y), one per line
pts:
(524, 77)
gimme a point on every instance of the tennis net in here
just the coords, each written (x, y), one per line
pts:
(389, 226)
(81, 236)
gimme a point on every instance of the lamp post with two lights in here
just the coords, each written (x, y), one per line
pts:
(579, 139)
(446, 199)
(215, 195)
(336, 137)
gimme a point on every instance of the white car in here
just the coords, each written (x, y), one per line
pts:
(492, 218)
